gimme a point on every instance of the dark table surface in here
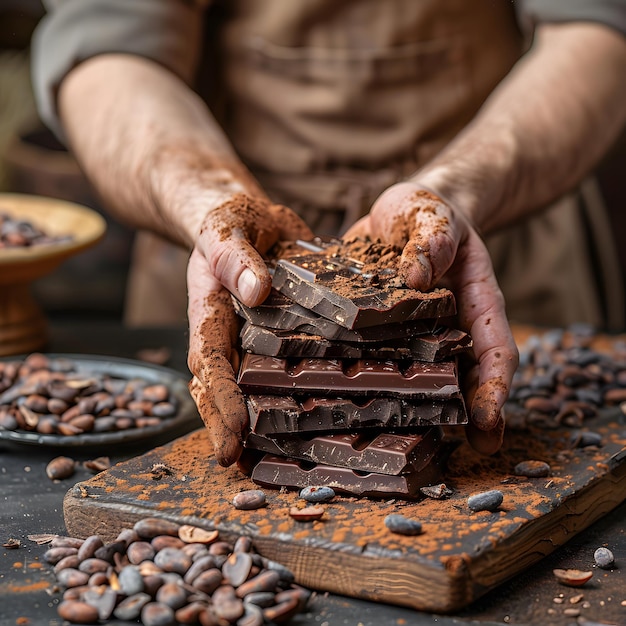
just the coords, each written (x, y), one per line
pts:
(32, 504)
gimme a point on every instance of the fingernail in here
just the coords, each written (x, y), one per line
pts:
(248, 286)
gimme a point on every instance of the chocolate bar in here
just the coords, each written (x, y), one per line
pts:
(338, 290)
(361, 377)
(274, 471)
(274, 415)
(382, 453)
(441, 344)
(281, 313)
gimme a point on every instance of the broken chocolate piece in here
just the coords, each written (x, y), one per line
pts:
(274, 415)
(281, 313)
(274, 471)
(336, 289)
(383, 453)
(361, 377)
(436, 346)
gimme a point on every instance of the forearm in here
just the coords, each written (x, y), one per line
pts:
(541, 131)
(149, 145)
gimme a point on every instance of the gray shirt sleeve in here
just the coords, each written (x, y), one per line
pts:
(166, 31)
(608, 12)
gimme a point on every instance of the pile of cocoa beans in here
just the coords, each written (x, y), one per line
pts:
(164, 574)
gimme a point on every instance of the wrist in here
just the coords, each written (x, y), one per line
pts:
(474, 178)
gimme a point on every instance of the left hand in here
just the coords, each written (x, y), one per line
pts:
(229, 246)
(441, 248)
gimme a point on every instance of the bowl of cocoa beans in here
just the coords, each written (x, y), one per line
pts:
(78, 400)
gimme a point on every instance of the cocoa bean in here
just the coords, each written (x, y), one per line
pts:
(253, 616)
(167, 541)
(237, 567)
(70, 577)
(54, 555)
(226, 604)
(220, 547)
(157, 614)
(263, 582)
(140, 551)
(172, 560)
(107, 551)
(98, 579)
(195, 550)
(36, 403)
(89, 547)
(154, 393)
(402, 525)
(307, 514)
(208, 581)
(127, 535)
(93, 565)
(249, 499)
(604, 558)
(201, 565)
(130, 608)
(60, 467)
(317, 494)
(77, 612)
(71, 561)
(190, 614)
(102, 598)
(260, 598)
(194, 534)
(281, 612)
(164, 409)
(85, 422)
(130, 580)
(532, 469)
(485, 501)
(243, 544)
(151, 527)
(172, 595)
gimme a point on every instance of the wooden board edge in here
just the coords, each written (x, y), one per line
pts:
(376, 578)
(551, 531)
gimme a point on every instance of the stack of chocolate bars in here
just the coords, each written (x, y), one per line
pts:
(348, 374)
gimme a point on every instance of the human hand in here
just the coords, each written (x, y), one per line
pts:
(441, 247)
(227, 258)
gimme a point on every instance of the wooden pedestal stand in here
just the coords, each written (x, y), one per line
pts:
(23, 325)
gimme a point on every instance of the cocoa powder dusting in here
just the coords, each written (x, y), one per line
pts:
(356, 526)
(379, 264)
(245, 216)
(484, 415)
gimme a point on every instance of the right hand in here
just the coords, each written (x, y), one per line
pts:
(227, 258)
(441, 247)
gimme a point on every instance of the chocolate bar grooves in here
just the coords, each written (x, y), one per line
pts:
(348, 374)
(338, 377)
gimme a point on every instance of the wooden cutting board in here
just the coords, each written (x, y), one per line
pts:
(460, 556)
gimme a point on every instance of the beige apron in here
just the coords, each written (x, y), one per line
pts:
(331, 102)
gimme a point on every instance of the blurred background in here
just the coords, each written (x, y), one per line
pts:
(33, 161)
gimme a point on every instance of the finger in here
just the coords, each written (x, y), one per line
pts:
(361, 229)
(213, 333)
(226, 445)
(213, 324)
(423, 226)
(482, 313)
(290, 226)
(237, 265)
